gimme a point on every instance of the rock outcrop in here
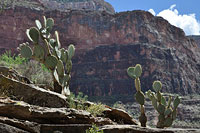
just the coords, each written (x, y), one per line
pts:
(196, 38)
(108, 44)
(90, 5)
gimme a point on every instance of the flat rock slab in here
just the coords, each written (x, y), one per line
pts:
(21, 124)
(44, 115)
(4, 128)
(137, 129)
(69, 128)
(31, 94)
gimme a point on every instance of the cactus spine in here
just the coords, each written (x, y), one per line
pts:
(48, 51)
(135, 73)
(167, 113)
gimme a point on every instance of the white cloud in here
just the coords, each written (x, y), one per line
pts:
(152, 11)
(187, 22)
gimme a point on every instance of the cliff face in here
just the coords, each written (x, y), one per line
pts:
(91, 5)
(196, 38)
(108, 44)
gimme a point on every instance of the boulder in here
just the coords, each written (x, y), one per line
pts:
(119, 116)
(31, 93)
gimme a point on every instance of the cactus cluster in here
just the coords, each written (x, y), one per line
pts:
(135, 73)
(48, 51)
(167, 113)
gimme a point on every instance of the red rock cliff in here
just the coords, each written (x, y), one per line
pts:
(108, 44)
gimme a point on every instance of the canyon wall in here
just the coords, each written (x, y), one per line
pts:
(107, 44)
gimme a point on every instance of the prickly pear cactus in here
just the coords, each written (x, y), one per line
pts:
(135, 73)
(48, 51)
(167, 112)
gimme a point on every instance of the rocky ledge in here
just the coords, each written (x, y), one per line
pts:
(25, 108)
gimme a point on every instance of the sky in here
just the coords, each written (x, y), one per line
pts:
(184, 14)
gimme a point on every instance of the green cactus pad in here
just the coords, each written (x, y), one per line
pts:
(154, 102)
(57, 40)
(38, 52)
(50, 62)
(63, 55)
(68, 66)
(161, 109)
(33, 34)
(176, 102)
(60, 68)
(149, 94)
(138, 70)
(174, 113)
(49, 25)
(52, 42)
(66, 79)
(168, 111)
(159, 96)
(58, 52)
(140, 97)
(169, 101)
(163, 101)
(131, 72)
(71, 51)
(157, 85)
(168, 122)
(38, 24)
(25, 50)
(161, 117)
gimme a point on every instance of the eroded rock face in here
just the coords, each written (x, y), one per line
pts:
(108, 44)
(91, 5)
(196, 38)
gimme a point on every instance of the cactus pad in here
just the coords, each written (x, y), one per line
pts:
(163, 101)
(154, 102)
(52, 43)
(38, 52)
(60, 68)
(50, 62)
(140, 97)
(168, 111)
(161, 109)
(33, 34)
(66, 91)
(157, 85)
(168, 122)
(161, 117)
(71, 51)
(57, 40)
(50, 23)
(138, 70)
(131, 72)
(174, 113)
(25, 50)
(38, 24)
(176, 102)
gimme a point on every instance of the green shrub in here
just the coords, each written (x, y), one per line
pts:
(96, 109)
(10, 60)
(94, 129)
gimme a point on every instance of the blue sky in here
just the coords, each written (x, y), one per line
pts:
(181, 13)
